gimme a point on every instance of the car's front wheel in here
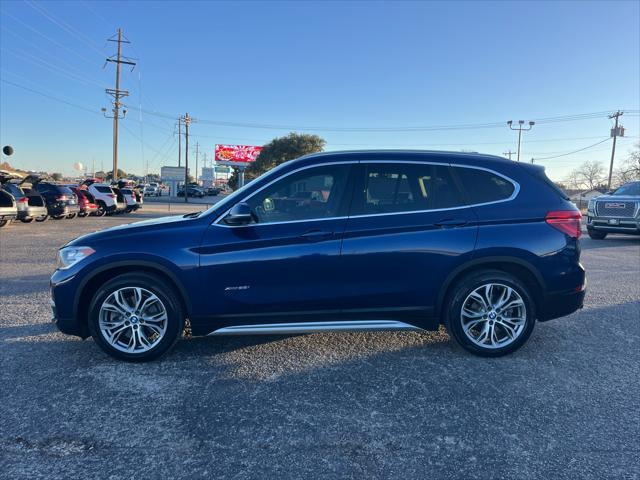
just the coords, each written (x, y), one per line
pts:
(490, 313)
(136, 317)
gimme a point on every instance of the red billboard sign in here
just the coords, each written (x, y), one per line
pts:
(242, 154)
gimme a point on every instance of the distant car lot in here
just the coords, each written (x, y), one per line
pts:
(364, 405)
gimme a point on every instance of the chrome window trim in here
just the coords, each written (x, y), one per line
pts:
(516, 191)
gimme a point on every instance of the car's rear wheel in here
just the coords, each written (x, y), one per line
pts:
(135, 317)
(596, 235)
(101, 211)
(71, 215)
(490, 313)
(27, 220)
(83, 214)
(42, 218)
(58, 217)
(4, 223)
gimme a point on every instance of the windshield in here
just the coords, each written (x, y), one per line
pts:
(632, 188)
(232, 198)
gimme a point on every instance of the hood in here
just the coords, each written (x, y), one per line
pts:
(119, 230)
(617, 198)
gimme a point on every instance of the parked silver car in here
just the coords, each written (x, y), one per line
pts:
(617, 212)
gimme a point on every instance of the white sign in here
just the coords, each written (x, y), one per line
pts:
(168, 174)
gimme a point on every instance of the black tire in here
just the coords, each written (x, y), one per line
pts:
(27, 220)
(459, 293)
(5, 223)
(102, 210)
(82, 214)
(71, 215)
(58, 217)
(168, 297)
(42, 218)
(596, 235)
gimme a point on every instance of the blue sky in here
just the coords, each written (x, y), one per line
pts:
(329, 64)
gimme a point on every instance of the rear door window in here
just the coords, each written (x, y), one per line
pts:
(482, 186)
(103, 189)
(406, 187)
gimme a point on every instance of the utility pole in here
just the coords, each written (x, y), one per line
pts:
(179, 140)
(615, 133)
(197, 152)
(508, 153)
(186, 119)
(117, 94)
(520, 129)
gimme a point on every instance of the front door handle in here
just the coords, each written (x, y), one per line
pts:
(317, 235)
(451, 222)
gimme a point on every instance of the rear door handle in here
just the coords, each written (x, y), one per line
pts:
(317, 235)
(451, 222)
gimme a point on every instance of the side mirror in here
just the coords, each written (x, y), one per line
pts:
(240, 214)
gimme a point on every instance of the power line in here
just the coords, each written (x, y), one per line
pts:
(52, 97)
(470, 126)
(51, 67)
(575, 151)
(35, 30)
(65, 26)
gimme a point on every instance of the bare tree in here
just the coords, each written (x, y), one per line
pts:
(587, 176)
(630, 169)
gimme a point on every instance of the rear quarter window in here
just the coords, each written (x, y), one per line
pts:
(482, 186)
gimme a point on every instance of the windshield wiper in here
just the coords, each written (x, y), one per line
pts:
(192, 214)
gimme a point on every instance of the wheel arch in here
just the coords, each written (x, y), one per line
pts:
(517, 267)
(89, 285)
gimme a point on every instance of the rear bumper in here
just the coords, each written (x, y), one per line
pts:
(58, 209)
(32, 212)
(8, 215)
(561, 304)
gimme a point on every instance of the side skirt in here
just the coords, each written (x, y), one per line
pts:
(309, 327)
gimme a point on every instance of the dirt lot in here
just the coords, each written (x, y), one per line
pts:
(350, 405)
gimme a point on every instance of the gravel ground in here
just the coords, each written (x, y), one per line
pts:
(349, 405)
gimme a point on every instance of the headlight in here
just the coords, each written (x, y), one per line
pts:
(69, 256)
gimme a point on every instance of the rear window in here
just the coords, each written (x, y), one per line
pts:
(13, 189)
(103, 189)
(63, 190)
(482, 186)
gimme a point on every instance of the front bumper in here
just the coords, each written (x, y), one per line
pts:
(62, 314)
(625, 225)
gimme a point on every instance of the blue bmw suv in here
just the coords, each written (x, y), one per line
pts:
(369, 240)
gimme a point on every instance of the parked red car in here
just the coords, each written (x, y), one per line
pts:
(86, 202)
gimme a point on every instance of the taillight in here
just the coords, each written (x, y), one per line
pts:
(567, 221)
(23, 200)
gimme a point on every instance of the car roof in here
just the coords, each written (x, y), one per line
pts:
(454, 158)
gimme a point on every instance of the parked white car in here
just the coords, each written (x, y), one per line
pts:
(152, 190)
(105, 198)
(129, 199)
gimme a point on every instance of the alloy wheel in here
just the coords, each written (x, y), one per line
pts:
(493, 315)
(133, 320)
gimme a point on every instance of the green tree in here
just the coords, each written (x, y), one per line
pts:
(281, 150)
(56, 176)
(121, 174)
